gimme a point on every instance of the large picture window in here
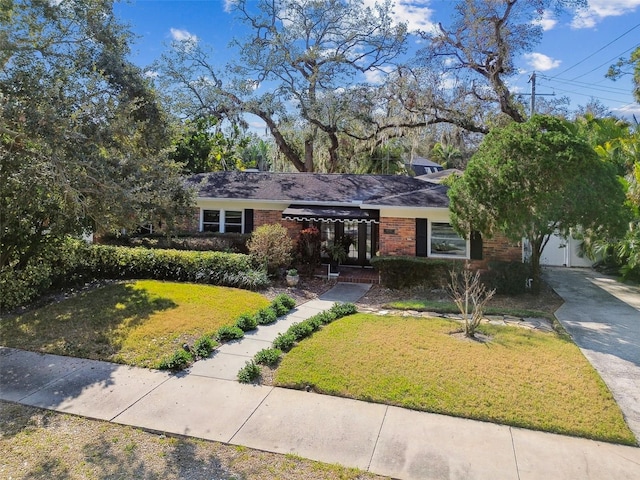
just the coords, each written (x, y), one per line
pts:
(445, 242)
(222, 221)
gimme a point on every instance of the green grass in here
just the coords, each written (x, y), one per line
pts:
(137, 323)
(450, 307)
(522, 378)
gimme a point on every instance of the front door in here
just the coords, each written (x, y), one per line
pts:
(363, 238)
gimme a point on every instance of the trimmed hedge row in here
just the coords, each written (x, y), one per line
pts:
(202, 348)
(220, 242)
(402, 272)
(74, 262)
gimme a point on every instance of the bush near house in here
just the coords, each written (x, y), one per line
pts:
(74, 262)
(402, 272)
(205, 241)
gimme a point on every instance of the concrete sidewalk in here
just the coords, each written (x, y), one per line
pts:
(603, 318)
(383, 439)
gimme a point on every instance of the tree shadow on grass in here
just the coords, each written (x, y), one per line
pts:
(91, 325)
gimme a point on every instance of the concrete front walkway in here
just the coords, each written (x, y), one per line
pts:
(387, 440)
(603, 318)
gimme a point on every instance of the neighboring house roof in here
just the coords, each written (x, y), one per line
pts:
(439, 176)
(422, 166)
(321, 189)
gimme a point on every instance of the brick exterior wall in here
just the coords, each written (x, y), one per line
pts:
(498, 248)
(403, 239)
(401, 242)
(266, 217)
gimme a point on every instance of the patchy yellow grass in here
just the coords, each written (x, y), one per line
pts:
(528, 379)
(137, 323)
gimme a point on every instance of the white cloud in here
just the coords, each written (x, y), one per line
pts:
(415, 13)
(627, 111)
(151, 74)
(180, 35)
(600, 9)
(541, 62)
(377, 77)
(547, 22)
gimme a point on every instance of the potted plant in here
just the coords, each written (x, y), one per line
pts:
(292, 277)
(337, 254)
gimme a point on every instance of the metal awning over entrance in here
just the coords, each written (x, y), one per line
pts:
(308, 213)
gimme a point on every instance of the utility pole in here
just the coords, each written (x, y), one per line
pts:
(532, 81)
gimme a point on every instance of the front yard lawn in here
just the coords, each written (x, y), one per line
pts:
(522, 378)
(137, 323)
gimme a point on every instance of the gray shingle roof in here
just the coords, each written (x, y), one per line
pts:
(320, 188)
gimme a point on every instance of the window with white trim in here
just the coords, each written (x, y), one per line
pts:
(444, 241)
(222, 221)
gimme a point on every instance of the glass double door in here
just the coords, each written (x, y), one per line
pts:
(361, 237)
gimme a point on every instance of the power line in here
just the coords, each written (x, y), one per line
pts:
(592, 86)
(599, 50)
(605, 63)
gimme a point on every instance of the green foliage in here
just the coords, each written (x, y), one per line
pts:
(265, 316)
(402, 272)
(285, 300)
(218, 268)
(508, 278)
(268, 356)
(324, 317)
(246, 322)
(203, 241)
(530, 179)
(270, 247)
(180, 360)
(83, 134)
(284, 341)
(298, 331)
(203, 347)
(249, 373)
(343, 309)
(204, 147)
(301, 330)
(229, 332)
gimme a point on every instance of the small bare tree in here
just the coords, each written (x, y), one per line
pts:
(470, 296)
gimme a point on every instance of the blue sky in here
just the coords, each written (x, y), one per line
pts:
(571, 60)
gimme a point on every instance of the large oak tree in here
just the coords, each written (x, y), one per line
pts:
(82, 136)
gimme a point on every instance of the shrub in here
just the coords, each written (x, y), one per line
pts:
(284, 341)
(509, 278)
(228, 332)
(286, 300)
(402, 272)
(205, 241)
(315, 321)
(279, 307)
(308, 248)
(326, 317)
(249, 372)
(343, 309)
(246, 322)
(203, 347)
(270, 247)
(301, 330)
(268, 356)
(180, 360)
(266, 316)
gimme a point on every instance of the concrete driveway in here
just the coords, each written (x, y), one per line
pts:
(602, 315)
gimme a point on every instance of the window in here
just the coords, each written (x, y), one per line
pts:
(233, 221)
(445, 242)
(223, 221)
(210, 220)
